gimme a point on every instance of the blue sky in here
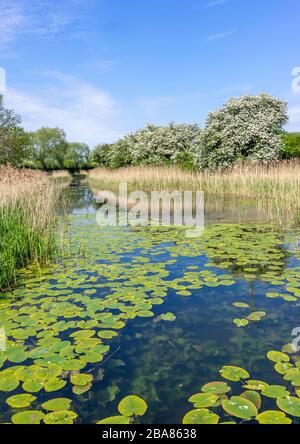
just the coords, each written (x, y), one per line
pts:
(102, 68)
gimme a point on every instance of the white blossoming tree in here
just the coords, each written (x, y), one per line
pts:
(159, 145)
(248, 128)
(174, 144)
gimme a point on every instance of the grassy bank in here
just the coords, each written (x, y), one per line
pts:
(28, 201)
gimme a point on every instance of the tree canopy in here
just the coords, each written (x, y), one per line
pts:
(14, 142)
(248, 128)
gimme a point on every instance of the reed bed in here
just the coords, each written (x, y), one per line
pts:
(279, 180)
(61, 174)
(275, 186)
(28, 201)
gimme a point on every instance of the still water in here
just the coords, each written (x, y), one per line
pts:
(120, 281)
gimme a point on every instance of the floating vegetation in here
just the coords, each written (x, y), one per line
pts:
(136, 301)
(247, 405)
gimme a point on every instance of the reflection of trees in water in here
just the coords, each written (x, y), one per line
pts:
(79, 196)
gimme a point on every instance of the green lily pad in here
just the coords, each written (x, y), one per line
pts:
(253, 384)
(241, 305)
(168, 317)
(217, 388)
(54, 384)
(61, 417)
(241, 322)
(290, 405)
(256, 316)
(20, 401)
(200, 416)
(81, 379)
(8, 383)
(58, 404)
(277, 356)
(202, 400)
(253, 397)
(234, 374)
(115, 420)
(273, 417)
(33, 386)
(16, 355)
(80, 389)
(240, 407)
(275, 391)
(28, 417)
(132, 406)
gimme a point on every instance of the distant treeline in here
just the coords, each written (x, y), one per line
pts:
(245, 129)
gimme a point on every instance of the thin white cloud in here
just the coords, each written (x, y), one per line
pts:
(86, 113)
(42, 18)
(213, 3)
(222, 35)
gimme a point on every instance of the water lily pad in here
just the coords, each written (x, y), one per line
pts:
(132, 406)
(80, 389)
(200, 416)
(61, 417)
(57, 404)
(240, 407)
(234, 373)
(277, 356)
(217, 388)
(115, 420)
(252, 396)
(168, 317)
(33, 386)
(28, 417)
(241, 305)
(290, 405)
(81, 379)
(275, 391)
(20, 401)
(54, 384)
(256, 316)
(8, 383)
(202, 400)
(253, 384)
(241, 322)
(273, 417)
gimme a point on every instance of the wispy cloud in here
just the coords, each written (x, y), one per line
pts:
(222, 35)
(43, 18)
(213, 3)
(87, 114)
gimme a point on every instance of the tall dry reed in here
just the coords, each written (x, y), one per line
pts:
(275, 185)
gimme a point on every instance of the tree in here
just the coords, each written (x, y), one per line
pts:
(14, 142)
(248, 128)
(174, 144)
(291, 142)
(49, 148)
(77, 156)
(101, 154)
(164, 145)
